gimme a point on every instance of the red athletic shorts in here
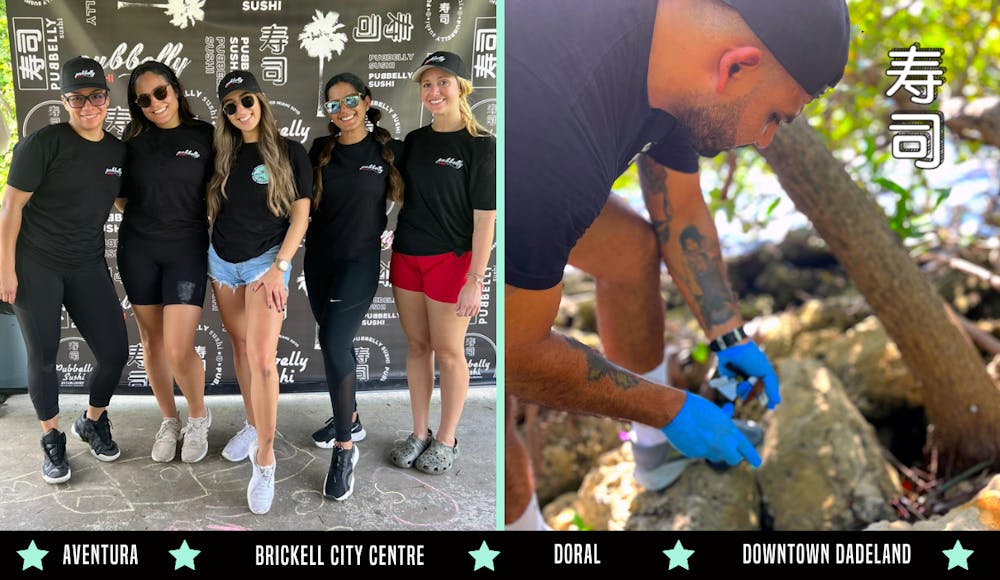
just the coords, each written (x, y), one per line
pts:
(440, 276)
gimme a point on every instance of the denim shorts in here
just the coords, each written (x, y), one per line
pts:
(242, 273)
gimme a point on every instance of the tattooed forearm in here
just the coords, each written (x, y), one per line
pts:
(599, 367)
(653, 182)
(707, 279)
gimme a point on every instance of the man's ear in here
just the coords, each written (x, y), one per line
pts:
(737, 63)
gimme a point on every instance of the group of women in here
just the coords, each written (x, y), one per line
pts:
(232, 205)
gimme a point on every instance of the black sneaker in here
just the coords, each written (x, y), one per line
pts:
(339, 483)
(325, 437)
(98, 434)
(55, 468)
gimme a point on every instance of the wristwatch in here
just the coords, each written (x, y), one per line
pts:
(282, 265)
(727, 340)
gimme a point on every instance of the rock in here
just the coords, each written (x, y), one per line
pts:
(804, 249)
(869, 366)
(560, 514)
(777, 333)
(823, 467)
(564, 447)
(701, 499)
(836, 313)
(586, 315)
(605, 498)
(982, 513)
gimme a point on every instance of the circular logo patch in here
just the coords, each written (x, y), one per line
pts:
(260, 175)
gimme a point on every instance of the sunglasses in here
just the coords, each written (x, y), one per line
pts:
(98, 99)
(350, 101)
(247, 101)
(144, 101)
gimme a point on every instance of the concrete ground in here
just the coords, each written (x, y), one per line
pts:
(135, 493)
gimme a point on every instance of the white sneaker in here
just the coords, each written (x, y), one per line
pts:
(195, 446)
(239, 446)
(260, 492)
(165, 444)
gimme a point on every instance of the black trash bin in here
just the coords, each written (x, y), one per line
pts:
(13, 358)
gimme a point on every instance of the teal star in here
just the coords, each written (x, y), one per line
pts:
(484, 557)
(958, 556)
(678, 556)
(32, 556)
(184, 556)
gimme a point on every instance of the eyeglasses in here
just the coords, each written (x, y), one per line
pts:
(98, 99)
(246, 100)
(350, 101)
(144, 101)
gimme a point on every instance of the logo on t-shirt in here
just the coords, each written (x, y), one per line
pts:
(189, 153)
(88, 73)
(116, 171)
(260, 175)
(450, 162)
(372, 168)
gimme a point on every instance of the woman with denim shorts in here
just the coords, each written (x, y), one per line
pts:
(442, 245)
(258, 205)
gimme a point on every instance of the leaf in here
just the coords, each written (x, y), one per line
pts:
(891, 186)
(580, 524)
(700, 353)
(771, 208)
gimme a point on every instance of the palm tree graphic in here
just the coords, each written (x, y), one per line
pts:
(181, 12)
(321, 39)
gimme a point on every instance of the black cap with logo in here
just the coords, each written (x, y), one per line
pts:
(810, 38)
(238, 80)
(444, 60)
(81, 72)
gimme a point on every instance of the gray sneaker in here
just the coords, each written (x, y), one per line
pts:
(195, 446)
(165, 444)
(260, 492)
(239, 446)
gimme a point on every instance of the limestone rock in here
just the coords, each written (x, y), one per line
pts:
(564, 447)
(823, 467)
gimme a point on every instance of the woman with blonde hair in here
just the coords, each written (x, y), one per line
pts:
(258, 205)
(442, 245)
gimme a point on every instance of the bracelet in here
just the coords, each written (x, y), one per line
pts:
(727, 340)
(477, 277)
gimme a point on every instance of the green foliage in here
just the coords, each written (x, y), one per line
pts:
(579, 524)
(700, 353)
(7, 94)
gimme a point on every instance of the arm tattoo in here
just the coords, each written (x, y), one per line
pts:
(598, 367)
(710, 290)
(653, 182)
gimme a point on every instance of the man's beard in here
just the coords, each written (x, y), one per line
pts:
(711, 128)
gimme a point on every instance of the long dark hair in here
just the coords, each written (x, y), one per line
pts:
(381, 135)
(139, 122)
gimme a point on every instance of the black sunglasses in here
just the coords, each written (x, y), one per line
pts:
(98, 99)
(246, 100)
(144, 101)
(350, 101)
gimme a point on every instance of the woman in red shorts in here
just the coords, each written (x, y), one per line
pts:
(441, 248)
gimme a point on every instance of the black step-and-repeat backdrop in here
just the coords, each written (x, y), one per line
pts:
(292, 46)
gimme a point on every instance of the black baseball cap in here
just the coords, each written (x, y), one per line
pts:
(809, 38)
(238, 80)
(81, 72)
(444, 60)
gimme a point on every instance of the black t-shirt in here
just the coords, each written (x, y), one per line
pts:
(245, 228)
(351, 215)
(165, 181)
(74, 183)
(446, 176)
(575, 124)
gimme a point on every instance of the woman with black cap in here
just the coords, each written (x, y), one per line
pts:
(442, 245)
(354, 176)
(63, 180)
(163, 248)
(258, 204)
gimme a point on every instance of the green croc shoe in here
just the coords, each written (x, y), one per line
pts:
(438, 458)
(404, 452)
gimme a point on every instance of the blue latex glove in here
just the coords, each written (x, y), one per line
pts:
(747, 360)
(701, 429)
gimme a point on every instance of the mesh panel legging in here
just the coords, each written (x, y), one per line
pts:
(92, 304)
(340, 293)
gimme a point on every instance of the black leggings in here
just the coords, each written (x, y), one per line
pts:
(340, 293)
(92, 303)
